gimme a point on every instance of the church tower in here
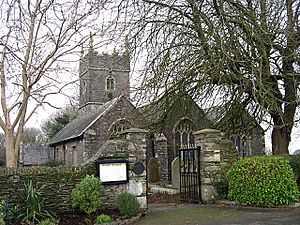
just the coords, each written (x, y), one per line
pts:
(102, 78)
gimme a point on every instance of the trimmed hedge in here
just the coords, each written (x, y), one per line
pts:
(295, 164)
(262, 181)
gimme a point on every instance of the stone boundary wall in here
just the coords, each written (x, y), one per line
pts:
(57, 183)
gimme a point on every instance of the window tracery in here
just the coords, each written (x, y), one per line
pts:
(117, 127)
(183, 134)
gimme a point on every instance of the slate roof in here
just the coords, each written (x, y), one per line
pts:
(78, 126)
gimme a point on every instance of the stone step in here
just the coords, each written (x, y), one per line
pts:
(163, 190)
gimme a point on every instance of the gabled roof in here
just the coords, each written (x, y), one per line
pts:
(233, 117)
(77, 127)
(165, 112)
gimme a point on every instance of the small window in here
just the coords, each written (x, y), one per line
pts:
(110, 83)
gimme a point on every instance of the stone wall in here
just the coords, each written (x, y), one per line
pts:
(58, 182)
(161, 154)
(71, 153)
(217, 154)
(79, 150)
(132, 145)
(98, 133)
(35, 154)
(184, 109)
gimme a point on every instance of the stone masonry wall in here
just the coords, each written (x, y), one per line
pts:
(98, 133)
(35, 154)
(161, 154)
(131, 146)
(94, 69)
(83, 148)
(59, 182)
(216, 156)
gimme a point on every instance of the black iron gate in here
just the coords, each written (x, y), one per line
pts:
(189, 166)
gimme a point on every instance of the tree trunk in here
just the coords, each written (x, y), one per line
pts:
(11, 153)
(280, 141)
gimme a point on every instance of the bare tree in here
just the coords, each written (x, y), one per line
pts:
(33, 135)
(232, 51)
(35, 38)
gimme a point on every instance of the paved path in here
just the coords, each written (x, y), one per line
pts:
(185, 214)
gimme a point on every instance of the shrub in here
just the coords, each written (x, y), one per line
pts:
(53, 163)
(221, 187)
(8, 213)
(262, 181)
(128, 205)
(103, 218)
(219, 177)
(295, 164)
(48, 222)
(2, 163)
(87, 193)
(2, 213)
(31, 209)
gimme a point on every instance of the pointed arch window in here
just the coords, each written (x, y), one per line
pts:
(110, 83)
(183, 134)
(118, 126)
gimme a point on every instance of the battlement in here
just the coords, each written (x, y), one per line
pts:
(103, 77)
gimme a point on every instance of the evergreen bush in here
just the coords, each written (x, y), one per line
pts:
(53, 163)
(87, 193)
(262, 181)
(103, 218)
(295, 164)
(128, 205)
(48, 222)
(2, 214)
(8, 213)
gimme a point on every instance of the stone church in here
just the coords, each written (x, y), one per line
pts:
(106, 110)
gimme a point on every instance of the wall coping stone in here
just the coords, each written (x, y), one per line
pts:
(225, 141)
(38, 170)
(207, 131)
(134, 130)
